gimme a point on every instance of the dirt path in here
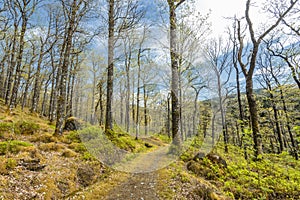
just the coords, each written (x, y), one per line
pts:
(136, 187)
(142, 182)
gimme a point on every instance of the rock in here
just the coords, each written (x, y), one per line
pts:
(199, 156)
(215, 158)
(72, 124)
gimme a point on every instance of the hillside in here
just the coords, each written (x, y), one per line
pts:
(36, 165)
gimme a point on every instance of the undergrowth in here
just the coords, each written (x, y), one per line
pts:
(273, 177)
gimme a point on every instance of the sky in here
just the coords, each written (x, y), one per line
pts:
(219, 10)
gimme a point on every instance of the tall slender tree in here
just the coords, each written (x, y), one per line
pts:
(249, 71)
(173, 5)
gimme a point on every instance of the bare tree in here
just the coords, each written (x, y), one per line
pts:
(248, 72)
(44, 49)
(24, 9)
(121, 17)
(75, 11)
(218, 55)
(265, 67)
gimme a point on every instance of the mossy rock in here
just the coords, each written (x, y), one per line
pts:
(73, 124)
(213, 157)
(217, 159)
(203, 192)
(197, 168)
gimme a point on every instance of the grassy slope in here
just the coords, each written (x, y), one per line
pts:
(72, 172)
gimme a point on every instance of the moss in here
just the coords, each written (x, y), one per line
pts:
(78, 147)
(26, 127)
(52, 146)
(72, 136)
(87, 156)
(3, 169)
(163, 137)
(11, 163)
(45, 138)
(13, 146)
(6, 127)
(118, 137)
(68, 153)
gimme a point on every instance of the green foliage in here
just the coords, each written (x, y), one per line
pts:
(272, 177)
(87, 156)
(13, 146)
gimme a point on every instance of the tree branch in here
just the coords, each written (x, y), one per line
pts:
(179, 3)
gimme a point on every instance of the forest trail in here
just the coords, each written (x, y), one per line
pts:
(143, 179)
(141, 186)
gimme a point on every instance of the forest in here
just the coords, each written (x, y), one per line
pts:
(137, 99)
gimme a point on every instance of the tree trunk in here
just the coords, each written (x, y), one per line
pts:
(293, 140)
(175, 76)
(254, 117)
(110, 69)
(121, 105)
(45, 97)
(11, 66)
(101, 121)
(61, 102)
(145, 109)
(17, 79)
(137, 133)
(127, 101)
(277, 125)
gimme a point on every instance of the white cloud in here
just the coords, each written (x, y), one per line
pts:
(229, 8)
